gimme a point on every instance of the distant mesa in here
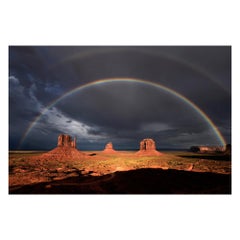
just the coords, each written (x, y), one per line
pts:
(207, 149)
(109, 148)
(148, 148)
(228, 149)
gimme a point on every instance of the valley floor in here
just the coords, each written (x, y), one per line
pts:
(120, 173)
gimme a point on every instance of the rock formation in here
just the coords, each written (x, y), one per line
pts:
(207, 149)
(148, 147)
(228, 149)
(66, 141)
(65, 150)
(109, 148)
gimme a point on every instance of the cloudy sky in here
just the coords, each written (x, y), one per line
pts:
(117, 110)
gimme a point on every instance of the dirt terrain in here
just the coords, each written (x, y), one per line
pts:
(123, 172)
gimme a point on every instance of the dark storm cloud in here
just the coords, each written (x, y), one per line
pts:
(120, 112)
(126, 106)
(24, 107)
(187, 73)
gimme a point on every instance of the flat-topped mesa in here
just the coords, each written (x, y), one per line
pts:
(208, 149)
(148, 147)
(109, 148)
(66, 141)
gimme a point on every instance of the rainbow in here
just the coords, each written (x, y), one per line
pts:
(130, 80)
(113, 49)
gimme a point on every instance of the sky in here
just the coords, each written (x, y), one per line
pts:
(140, 96)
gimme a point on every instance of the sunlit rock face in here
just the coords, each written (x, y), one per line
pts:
(66, 141)
(148, 147)
(109, 148)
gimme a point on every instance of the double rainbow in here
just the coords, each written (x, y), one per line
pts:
(130, 80)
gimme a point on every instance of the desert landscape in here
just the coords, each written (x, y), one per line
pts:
(66, 170)
(120, 120)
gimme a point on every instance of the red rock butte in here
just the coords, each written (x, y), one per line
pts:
(148, 148)
(65, 150)
(109, 148)
(66, 141)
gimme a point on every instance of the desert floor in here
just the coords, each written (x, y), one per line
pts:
(120, 173)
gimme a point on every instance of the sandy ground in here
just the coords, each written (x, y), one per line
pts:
(119, 173)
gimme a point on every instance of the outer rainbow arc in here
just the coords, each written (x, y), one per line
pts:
(112, 80)
(170, 57)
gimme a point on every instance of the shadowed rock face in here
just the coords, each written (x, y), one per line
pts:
(109, 148)
(228, 149)
(148, 147)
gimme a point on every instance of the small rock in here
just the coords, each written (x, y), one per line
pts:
(165, 168)
(190, 168)
(94, 174)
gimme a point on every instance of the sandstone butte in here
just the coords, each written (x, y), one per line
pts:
(109, 148)
(148, 148)
(65, 150)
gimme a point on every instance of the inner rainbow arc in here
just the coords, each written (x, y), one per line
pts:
(132, 80)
